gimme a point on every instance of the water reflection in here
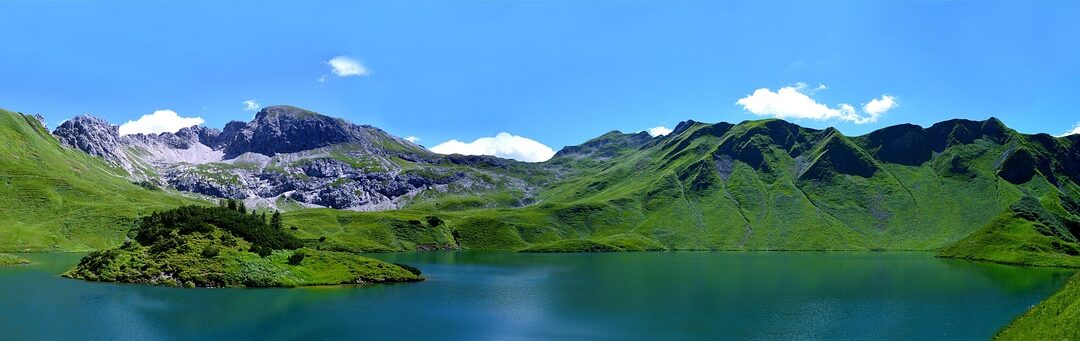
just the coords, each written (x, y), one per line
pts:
(487, 295)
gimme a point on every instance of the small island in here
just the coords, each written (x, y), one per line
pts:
(6, 259)
(224, 247)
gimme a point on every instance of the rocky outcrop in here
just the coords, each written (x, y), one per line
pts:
(287, 129)
(92, 135)
(285, 153)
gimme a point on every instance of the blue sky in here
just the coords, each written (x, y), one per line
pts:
(554, 72)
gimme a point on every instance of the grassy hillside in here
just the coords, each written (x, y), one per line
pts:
(1056, 318)
(1025, 234)
(757, 185)
(56, 198)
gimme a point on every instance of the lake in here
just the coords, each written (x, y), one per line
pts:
(507, 296)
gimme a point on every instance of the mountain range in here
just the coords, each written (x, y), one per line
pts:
(755, 185)
(287, 157)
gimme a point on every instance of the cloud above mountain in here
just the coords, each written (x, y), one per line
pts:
(659, 131)
(1072, 131)
(160, 121)
(343, 66)
(795, 102)
(879, 106)
(251, 105)
(503, 145)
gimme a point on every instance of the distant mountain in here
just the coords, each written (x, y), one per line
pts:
(756, 185)
(288, 158)
(771, 184)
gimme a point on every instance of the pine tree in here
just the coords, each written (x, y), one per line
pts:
(275, 220)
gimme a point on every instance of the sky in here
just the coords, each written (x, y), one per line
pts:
(524, 79)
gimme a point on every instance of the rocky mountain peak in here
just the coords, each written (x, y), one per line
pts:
(41, 119)
(288, 129)
(91, 134)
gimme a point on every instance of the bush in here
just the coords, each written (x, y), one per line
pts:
(297, 257)
(433, 221)
(262, 251)
(210, 251)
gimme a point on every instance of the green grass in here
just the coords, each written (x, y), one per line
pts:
(1056, 318)
(60, 199)
(1025, 234)
(1009, 239)
(6, 259)
(572, 245)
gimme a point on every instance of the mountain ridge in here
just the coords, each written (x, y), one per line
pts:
(756, 185)
(284, 157)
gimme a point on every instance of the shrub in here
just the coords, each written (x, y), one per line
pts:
(297, 257)
(433, 221)
(210, 251)
(262, 251)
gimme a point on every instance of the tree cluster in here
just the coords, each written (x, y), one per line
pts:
(163, 226)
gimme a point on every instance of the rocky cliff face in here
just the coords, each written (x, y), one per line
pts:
(289, 156)
(286, 129)
(92, 135)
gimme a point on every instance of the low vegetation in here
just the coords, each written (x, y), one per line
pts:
(6, 259)
(572, 245)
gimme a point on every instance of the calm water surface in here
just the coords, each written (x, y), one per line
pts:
(505, 296)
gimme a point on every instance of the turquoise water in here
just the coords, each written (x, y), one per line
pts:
(503, 296)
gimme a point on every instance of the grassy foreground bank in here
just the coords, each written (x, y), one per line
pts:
(6, 259)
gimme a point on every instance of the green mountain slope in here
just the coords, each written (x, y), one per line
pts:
(757, 185)
(1026, 234)
(56, 198)
(773, 185)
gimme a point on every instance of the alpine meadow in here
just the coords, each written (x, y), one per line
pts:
(387, 171)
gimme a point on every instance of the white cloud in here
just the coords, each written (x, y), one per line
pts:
(659, 131)
(792, 102)
(502, 145)
(161, 121)
(412, 139)
(251, 105)
(1075, 130)
(343, 66)
(879, 106)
